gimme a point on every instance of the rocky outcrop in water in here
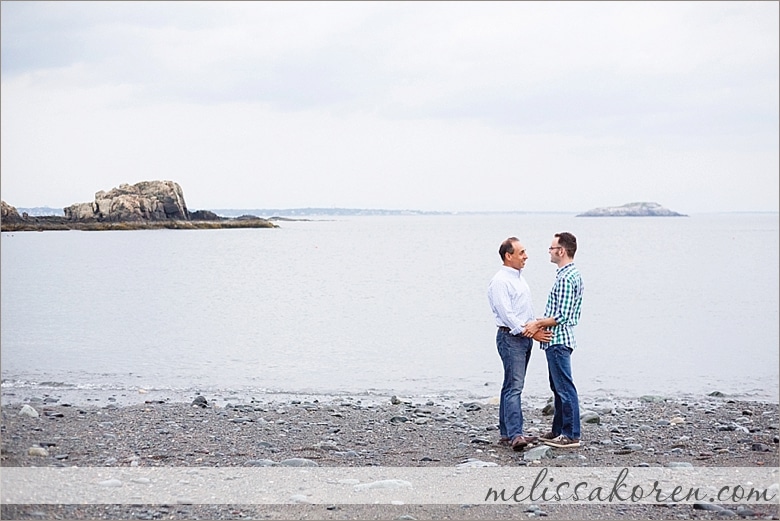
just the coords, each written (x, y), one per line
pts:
(148, 205)
(632, 210)
(205, 215)
(8, 213)
(144, 201)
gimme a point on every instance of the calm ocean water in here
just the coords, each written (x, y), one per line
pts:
(389, 305)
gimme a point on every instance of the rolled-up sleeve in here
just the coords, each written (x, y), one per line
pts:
(565, 300)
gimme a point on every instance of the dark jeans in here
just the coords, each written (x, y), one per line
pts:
(566, 420)
(515, 352)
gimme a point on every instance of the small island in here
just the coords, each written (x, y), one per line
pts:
(632, 210)
(148, 205)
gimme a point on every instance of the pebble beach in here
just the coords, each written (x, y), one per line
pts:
(48, 430)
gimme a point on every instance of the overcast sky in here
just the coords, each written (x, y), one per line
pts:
(453, 106)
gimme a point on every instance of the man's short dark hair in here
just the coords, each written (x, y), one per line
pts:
(507, 247)
(569, 243)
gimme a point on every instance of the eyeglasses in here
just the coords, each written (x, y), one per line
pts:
(551, 248)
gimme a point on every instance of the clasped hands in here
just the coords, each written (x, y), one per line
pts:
(534, 330)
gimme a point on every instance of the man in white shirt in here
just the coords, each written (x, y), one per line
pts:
(510, 300)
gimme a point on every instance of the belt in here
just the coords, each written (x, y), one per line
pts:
(504, 329)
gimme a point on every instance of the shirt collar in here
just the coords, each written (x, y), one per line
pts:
(564, 268)
(511, 270)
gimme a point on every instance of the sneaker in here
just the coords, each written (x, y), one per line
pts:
(562, 442)
(549, 436)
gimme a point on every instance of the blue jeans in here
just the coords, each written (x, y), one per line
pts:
(515, 352)
(566, 419)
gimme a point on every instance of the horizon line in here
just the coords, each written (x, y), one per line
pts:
(406, 210)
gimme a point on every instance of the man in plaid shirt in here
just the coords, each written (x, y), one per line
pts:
(561, 315)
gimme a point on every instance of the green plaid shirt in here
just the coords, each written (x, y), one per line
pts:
(564, 305)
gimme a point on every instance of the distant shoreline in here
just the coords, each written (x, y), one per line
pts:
(45, 211)
(237, 219)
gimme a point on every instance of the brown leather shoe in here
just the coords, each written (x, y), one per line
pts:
(519, 443)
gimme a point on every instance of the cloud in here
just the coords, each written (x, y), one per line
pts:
(406, 105)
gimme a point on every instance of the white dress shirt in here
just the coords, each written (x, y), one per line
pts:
(510, 299)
